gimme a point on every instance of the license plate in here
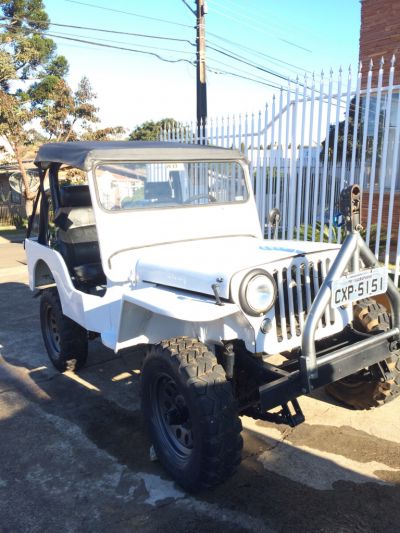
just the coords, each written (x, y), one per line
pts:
(358, 285)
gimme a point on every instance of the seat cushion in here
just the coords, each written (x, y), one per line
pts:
(75, 196)
(77, 235)
(90, 272)
(81, 253)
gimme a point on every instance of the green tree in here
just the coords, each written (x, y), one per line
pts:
(102, 134)
(83, 112)
(352, 128)
(61, 110)
(150, 130)
(33, 84)
(25, 53)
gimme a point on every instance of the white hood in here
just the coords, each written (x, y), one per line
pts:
(197, 265)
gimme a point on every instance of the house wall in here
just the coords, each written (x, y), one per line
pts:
(380, 35)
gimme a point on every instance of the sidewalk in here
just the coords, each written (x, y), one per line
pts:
(12, 253)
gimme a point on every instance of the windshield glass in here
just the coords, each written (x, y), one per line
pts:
(152, 185)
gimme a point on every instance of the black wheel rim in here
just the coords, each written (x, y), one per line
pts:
(172, 418)
(51, 332)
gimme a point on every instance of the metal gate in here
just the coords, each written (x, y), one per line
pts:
(312, 139)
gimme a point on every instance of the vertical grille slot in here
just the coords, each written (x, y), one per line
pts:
(280, 316)
(320, 280)
(290, 286)
(298, 286)
(296, 272)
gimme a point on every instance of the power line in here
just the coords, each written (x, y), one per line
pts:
(256, 79)
(254, 76)
(85, 41)
(96, 43)
(193, 11)
(220, 50)
(152, 36)
(112, 32)
(103, 45)
(235, 57)
(254, 65)
(260, 81)
(228, 50)
(145, 35)
(270, 21)
(254, 51)
(63, 34)
(277, 28)
(225, 72)
(96, 6)
(262, 69)
(253, 27)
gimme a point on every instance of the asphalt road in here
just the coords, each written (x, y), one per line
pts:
(74, 457)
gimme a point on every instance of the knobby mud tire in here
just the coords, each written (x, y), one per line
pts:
(199, 405)
(66, 341)
(363, 390)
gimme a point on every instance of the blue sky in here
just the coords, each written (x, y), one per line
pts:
(289, 38)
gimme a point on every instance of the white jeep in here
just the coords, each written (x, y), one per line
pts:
(163, 247)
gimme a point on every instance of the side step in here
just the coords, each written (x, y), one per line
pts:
(290, 414)
(295, 418)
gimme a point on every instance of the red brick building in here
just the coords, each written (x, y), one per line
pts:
(380, 37)
(380, 34)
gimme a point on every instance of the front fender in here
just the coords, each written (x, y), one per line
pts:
(180, 305)
(152, 314)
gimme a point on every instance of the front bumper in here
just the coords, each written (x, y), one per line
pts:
(286, 383)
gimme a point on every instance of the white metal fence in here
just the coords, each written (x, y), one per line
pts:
(312, 139)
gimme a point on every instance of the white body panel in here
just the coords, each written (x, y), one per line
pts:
(128, 315)
(131, 230)
(136, 311)
(198, 264)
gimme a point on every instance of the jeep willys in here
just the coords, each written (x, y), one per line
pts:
(163, 247)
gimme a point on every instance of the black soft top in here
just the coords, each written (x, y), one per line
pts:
(82, 154)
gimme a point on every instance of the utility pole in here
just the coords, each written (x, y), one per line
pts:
(201, 96)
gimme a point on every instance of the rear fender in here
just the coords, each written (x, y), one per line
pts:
(47, 269)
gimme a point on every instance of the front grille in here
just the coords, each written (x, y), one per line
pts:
(298, 285)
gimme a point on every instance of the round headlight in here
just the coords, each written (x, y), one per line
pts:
(257, 293)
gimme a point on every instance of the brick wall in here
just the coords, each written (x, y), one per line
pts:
(380, 35)
(385, 217)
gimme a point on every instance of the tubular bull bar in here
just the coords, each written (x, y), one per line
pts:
(352, 246)
(284, 385)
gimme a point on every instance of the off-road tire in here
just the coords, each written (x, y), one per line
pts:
(66, 341)
(363, 390)
(190, 413)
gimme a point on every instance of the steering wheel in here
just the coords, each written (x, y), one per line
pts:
(199, 197)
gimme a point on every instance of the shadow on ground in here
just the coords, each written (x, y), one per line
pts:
(102, 403)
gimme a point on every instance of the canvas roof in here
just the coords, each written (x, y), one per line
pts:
(82, 154)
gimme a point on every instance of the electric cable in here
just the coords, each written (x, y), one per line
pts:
(145, 35)
(255, 28)
(85, 41)
(254, 51)
(63, 34)
(96, 6)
